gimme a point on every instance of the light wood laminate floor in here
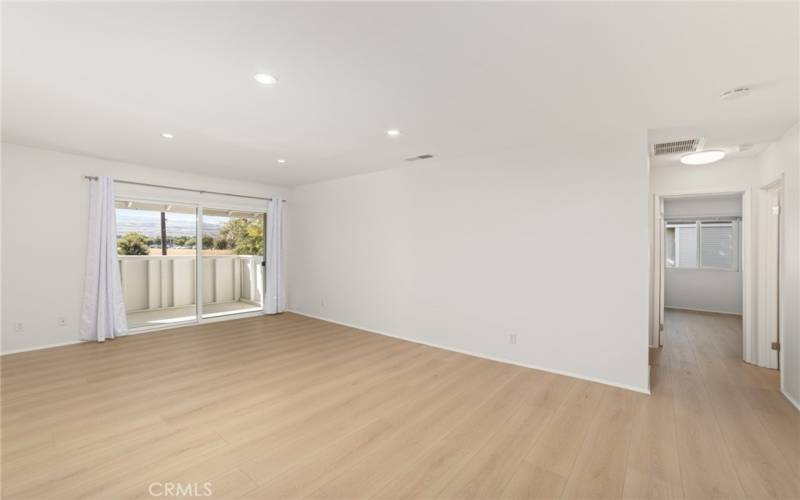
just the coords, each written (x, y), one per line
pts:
(292, 407)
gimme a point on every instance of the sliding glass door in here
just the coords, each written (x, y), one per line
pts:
(169, 277)
(156, 251)
(232, 262)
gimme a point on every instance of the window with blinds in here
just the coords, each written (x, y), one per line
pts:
(717, 249)
(681, 245)
(702, 245)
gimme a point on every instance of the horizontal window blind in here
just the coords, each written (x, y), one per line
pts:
(718, 245)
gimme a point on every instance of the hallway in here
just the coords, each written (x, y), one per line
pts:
(721, 428)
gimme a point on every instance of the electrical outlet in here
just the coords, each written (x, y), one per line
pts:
(512, 339)
(62, 321)
(322, 302)
(19, 327)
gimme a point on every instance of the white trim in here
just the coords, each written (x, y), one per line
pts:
(203, 321)
(747, 263)
(46, 346)
(764, 355)
(703, 310)
(791, 400)
(657, 256)
(477, 355)
(715, 269)
(199, 265)
(149, 329)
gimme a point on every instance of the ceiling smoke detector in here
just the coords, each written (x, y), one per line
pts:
(736, 93)
(420, 157)
(678, 147)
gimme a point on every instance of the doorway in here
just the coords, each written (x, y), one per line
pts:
(701, 260)
(233, 262)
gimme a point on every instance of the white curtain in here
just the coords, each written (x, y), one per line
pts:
(275, 294)
(103, 313)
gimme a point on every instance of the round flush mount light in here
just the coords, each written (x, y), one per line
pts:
(167, 135)
(265, 79)
(281, 160)
(392, 132)
(703, 157)
(735, 93)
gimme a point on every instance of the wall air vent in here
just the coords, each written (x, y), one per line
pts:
(677, 147)
(420, 157)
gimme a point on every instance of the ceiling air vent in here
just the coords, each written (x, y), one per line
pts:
(677, 147)
(420, 157)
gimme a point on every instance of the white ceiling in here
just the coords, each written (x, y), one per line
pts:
(459, 80)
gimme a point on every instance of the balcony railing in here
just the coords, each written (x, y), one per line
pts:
(160, 282)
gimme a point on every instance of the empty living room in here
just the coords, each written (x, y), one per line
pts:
(384, 250)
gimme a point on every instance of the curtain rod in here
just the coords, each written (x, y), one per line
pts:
(94, 178)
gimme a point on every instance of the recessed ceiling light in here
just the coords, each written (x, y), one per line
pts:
(167, 135)
(392, 132)
(736, 93)
(703, 157)
(281, 160)
(265, 79)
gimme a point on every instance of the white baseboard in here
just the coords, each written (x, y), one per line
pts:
(791, 399)
(150, 329)
(693, 309)
(38, 348)
(478, 355)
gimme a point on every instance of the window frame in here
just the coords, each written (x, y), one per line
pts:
(698, 223)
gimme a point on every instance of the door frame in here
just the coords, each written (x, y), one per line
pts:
(198, 206)
(768, 280)
(657, 294)
(747, 256)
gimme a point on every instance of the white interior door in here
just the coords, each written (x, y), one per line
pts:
(772, 306)
(661, 230)
(657, 320)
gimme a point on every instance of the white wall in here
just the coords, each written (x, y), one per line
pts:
(45, 212)
(783, 158)
(724, 175)
(549, 244)
(703, 206)
(704, 289)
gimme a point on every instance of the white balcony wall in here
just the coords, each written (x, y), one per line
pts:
(151, 282)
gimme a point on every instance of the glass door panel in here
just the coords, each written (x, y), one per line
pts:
(232, 262)
(157, 256)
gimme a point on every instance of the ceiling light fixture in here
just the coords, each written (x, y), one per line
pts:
(392, 132)
(281, 160)
(167, 135)
(703, 157)
(265, 79)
